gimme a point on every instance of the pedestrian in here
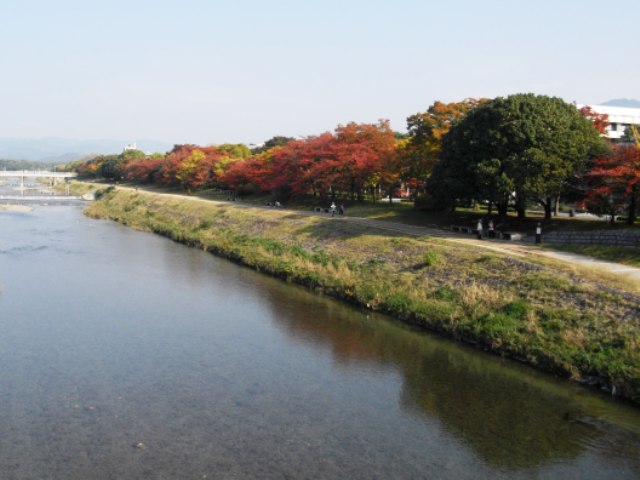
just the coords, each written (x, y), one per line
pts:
(479, 229)
(332, 208)
(341, 209)
(492, 232)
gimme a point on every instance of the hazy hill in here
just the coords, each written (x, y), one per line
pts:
(62, 150)
(622, 102)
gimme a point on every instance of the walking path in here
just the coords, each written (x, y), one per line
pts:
(508, 247)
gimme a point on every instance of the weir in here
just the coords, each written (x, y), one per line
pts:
(22, 174)
(42, 199)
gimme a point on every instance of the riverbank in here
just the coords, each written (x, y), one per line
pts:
(528, 309)
(15, 208)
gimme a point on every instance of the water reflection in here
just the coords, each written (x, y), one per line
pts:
(510, 416)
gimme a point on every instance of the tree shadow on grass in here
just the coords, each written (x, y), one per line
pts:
(339, 229)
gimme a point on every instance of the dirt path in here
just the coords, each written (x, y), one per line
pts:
(517, 249)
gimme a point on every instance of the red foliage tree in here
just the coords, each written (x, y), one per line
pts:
(362, 150)
(191, 167)
(615, 181)
(600, 120)
(144, 171)
(297, 167)
(246, 176)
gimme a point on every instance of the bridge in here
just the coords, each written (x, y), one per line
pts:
(22, 174)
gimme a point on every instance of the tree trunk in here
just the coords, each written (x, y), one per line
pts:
(631, 211)
(520, 206)
(548, 208)
(503, 207)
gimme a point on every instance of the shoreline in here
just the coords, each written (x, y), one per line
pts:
(7, 207)
(561, 324)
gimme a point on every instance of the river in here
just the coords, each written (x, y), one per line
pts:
(126, 355)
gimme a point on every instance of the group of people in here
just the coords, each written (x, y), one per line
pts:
(490, 229)
(333, 209)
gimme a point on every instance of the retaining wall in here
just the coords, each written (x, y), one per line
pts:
(627, 238)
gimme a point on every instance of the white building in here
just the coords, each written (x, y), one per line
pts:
(619, 119)
(131, 146)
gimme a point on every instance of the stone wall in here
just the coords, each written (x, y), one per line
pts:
(628, 238)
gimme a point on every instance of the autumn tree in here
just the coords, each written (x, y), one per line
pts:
(246, 176)
(514, 150)
(631, 135)
(600, 120)
(233, 150)
(297, 168)
(361, 152)
(615, 183)
(425, 133)
(144, 170)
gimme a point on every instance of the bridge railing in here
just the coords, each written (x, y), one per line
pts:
(36, 174)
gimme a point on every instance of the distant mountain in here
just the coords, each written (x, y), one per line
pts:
(622, 102)
(63, 150)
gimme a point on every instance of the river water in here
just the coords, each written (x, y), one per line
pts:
(126, 355)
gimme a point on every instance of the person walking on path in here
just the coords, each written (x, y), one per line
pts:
(341, 209)
(333, 209)
(492, 232)
(479, 229)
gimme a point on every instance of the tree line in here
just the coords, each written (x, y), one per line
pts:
(508, 152)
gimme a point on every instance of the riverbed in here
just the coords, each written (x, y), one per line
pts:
(126, 355)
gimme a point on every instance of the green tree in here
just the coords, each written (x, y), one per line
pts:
(234, 150)
(111, 167)
(133, 155)
(277, 141)
(514, 150)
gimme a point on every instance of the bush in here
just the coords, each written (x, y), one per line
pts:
(104, 191)
(446, 293)
(517, 309)
(430, 258)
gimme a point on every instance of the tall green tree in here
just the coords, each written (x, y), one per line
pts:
(513, 151)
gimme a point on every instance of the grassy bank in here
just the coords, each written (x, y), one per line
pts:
(535, 312)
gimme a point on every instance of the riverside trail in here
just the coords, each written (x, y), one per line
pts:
(519, 249)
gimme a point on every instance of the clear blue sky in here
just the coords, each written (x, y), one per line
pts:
(245, 70)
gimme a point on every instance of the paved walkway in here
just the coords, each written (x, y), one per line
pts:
(517, 249)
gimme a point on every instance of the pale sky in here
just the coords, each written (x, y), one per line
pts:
(196, 71)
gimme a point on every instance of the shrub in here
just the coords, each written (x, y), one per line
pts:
(398, 302)
(517, 309)
(430, 258)
(446, 293)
